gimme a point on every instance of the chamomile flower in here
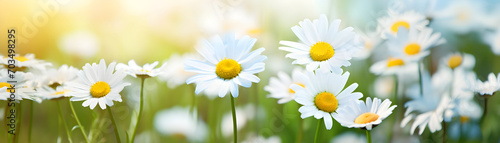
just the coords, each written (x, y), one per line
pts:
(431, 108)
(280, 87)
(489, 87)
(175, 74)
(390, 24)
(22, 91)
(24, 63)
(413, 44)
(321, 45)
(364, 115)
(324, 94)
(48, 93)
(390, 66)
(370, 41)
(98, 84)
(229, 64)
(493, 40)
(146, 71)
(462, 16)
(178, 122)
(459, 60)
(59, 77)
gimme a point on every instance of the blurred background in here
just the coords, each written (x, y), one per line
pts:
(76, 32)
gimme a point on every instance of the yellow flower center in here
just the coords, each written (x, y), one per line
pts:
(464, 119)
(398, 24)
(412, 49)
(326, 101)
(21, 58)
(293, 92)
(99, 89)
(60, 92)
(395, 62)
(368, 45)
(366, 118)
(4, 84)
(321, 51)
(228, 69)
(455, 61)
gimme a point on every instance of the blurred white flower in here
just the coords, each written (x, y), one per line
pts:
(324, 94)
(237, 20)
(364, 115)
(459, 61)
(425, 7)
(47, 93)
(174, 73)
(280, 87)
(493, 40)
(369, 42)
(321, 45)
(390, 66)
(24, 63)
(431, 108)
(462, 16)
(146, 71)
(22, 91)
(178, 122)
(349, 137)
(59, 77)
(487, 88)
(413, 44)
(98, 84)
(390, 24)
(80, 43)
(384, 86)
(251, 138)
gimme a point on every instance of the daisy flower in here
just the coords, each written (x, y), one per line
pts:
(24, 63)
(364, 115)
(413, 44)
(462, 16)
(489, 87)
(493, 40)
(22, 91)
(369, 41)
(390, 66)
(61, 76)
(229, 64)
(280, 87)
(321, 45)
(98, 84)
(324, 94)
(459, 60)
(390, 24)
(431, 108)
(175, 75)
(178, 122)
(146, 71)
(384, 86)
(48, 93)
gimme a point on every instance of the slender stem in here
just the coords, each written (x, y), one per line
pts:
(396, 101)
(64, 122)
(368, 136)
(461, 138)
(485, 107)
(420, 78)
(316, 137)
(19, 123)
(301, 127)
(78, 121)
(117, 134)
(235, 128)
(141, 105)
(31, 121)
(444, 131)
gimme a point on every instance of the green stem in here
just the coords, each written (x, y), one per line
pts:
(485, 107)
(444, 131)
(30, 122)
(316, 137)
(301, 127)
(64, 122)
(117, 134)
(420, 79)
(78, 121)
(368, 136)
(19, 123)
(141, 105)
(235, 128)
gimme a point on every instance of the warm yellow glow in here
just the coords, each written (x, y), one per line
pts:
(412, 49)
(395, 62)
(455, 61)
(396, 25)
